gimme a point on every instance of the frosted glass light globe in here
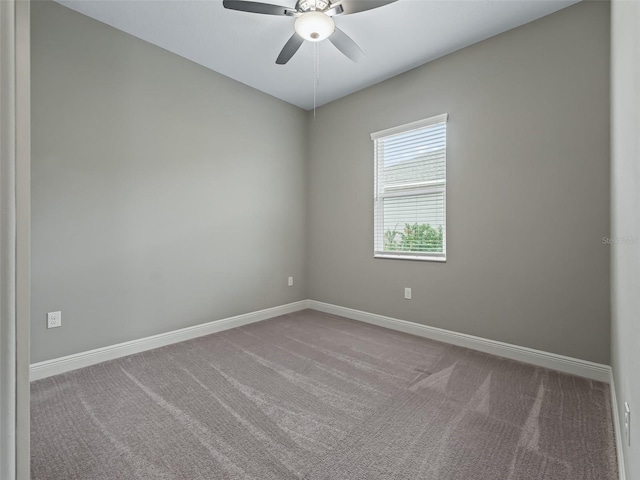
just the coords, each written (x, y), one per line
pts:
(314, 26)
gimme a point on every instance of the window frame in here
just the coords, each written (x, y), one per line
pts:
(408, 190)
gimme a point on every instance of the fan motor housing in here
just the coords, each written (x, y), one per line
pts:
(312, 5)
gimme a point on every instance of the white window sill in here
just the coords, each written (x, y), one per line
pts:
(421, 258)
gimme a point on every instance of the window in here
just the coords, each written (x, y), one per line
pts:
(411, 190)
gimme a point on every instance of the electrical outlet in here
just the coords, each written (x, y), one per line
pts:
(407, 293)
(627, 423)
(54, 319)
(290, 282)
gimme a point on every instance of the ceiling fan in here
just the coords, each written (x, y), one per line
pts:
(314, 22)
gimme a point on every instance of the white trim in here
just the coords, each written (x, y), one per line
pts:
(574, 366)
(84, 359)
(411, 126)
(23, 236)
(8, 211)
(430, 257)
(15, 158)
(617, 429)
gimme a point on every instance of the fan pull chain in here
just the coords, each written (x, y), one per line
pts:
(316, 73)
(318, 64)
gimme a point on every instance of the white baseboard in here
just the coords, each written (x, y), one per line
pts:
(84, 359)
(574, 366)
(553, 361)
(617, 429)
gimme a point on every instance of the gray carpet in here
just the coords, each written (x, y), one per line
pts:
(315, 396)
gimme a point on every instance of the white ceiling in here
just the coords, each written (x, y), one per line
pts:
(244, 46)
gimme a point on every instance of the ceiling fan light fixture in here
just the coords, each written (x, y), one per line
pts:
(314, 26)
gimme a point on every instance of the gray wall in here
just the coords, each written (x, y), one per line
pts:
(528, 190)
(162, 197)
(625, 218)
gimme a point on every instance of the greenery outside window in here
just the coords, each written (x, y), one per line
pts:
(411, 190)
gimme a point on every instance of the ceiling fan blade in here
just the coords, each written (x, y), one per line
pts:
(258, 7)
(343, 42)
(290, 48)
(356, 6)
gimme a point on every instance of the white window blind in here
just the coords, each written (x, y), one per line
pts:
(411, 190)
